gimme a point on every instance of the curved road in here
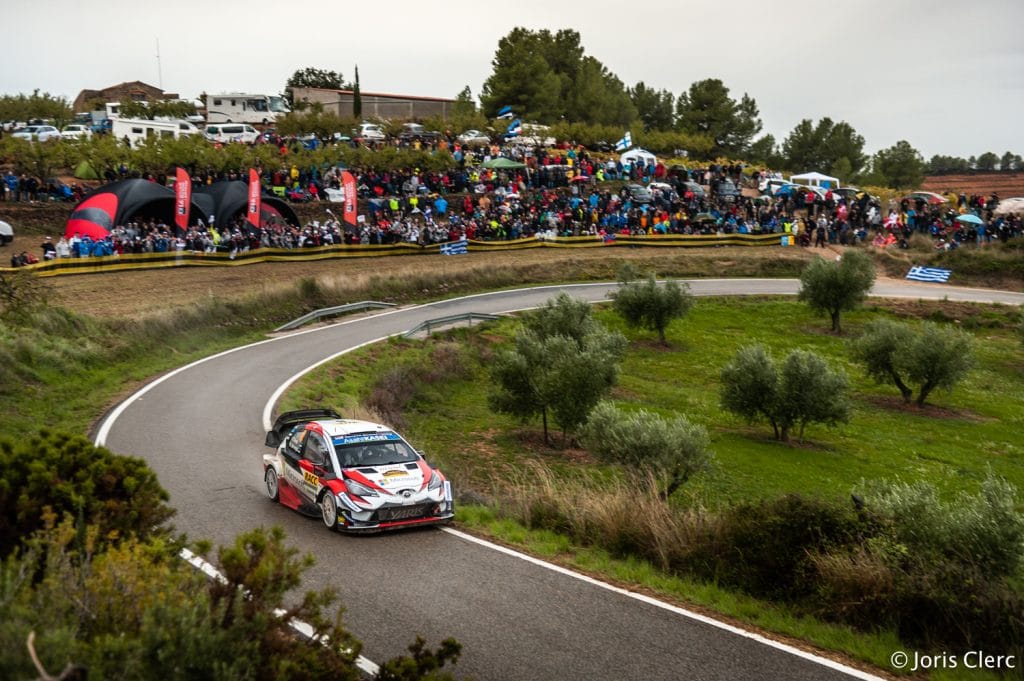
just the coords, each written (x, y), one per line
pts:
(201, 429)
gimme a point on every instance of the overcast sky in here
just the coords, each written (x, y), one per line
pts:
(948, 76)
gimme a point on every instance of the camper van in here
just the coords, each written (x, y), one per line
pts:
(245, 108)
(137, 131)
(231, 132)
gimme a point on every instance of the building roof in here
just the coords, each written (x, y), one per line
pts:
(364, 93)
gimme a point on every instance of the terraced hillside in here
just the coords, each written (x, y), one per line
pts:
(1004, 184)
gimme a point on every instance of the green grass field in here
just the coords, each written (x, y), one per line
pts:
(952, 442)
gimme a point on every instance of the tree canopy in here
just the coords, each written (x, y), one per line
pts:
(834, 287)
(823, 147)
(899, 166)
(546, 77)
(707, 109)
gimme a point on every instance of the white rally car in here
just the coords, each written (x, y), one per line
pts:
(356, 475)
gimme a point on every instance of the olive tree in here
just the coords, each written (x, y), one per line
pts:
(879, 349)
(648, 306)
(561, 364)
(930, 357)
(674, 449)
(832, 287)
(803, 390)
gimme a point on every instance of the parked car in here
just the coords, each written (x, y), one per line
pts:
(6, 233)
(474, 138)
(414, 131)
(357, 476)
(639, 193)
(371, 132)
(42, 133)
(727, 190)
(697, 189)
(76, 131)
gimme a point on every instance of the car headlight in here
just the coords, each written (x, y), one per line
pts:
(435, 481)
(359, 489)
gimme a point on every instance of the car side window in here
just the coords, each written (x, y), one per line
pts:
(294, 444)
(316, 450)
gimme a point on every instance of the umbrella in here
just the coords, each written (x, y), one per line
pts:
(580, 178)
(970, 218)
(700, 217)
(1010, 206)
(6, 232)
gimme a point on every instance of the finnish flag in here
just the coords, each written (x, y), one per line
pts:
(625, 143)
(932, 274)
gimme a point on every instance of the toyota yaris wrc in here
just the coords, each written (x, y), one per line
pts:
(356, 475)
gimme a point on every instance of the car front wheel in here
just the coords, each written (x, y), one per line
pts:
(273, 489)
(329, 511)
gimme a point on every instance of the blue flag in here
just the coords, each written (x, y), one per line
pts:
(625, 143)
(514, 128)
(932, 274)
(505, 111)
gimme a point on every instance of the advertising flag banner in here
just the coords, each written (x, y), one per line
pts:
(348, 183)
(182, 198)
(252, 213)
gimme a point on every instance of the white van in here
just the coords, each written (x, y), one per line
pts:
(231, 132)
(138, 130)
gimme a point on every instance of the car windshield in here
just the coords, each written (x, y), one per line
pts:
(379, 449)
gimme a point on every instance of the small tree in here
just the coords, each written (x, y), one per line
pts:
(803, 391)
(562, 315)
(833, 287)
(649, 306)
(671, 448)
(932, 357)
(879, 348)
(938, 357)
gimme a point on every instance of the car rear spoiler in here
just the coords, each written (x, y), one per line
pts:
(288, 419)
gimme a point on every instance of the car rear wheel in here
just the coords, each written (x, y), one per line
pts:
(273, 489)
(329, 511)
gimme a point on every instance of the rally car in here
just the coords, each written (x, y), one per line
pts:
(357, 476)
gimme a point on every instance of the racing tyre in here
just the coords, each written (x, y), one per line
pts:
(273, 488)
(329, 511)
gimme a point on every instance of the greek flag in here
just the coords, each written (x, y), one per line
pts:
(514, 128)
(454, 248)
(933, 274)
(625, 143)
(505, 112)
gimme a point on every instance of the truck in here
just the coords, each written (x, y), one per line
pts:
(245, 108)
(137, 130)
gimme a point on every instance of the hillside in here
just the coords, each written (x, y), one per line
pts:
(1004, 184)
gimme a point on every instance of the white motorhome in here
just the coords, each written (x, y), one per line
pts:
(245, 108)
(138, 130)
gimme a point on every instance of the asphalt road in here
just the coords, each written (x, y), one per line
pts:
(201, 428)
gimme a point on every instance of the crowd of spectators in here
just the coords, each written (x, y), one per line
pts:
(556, 193)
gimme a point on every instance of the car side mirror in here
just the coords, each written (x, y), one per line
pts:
(273, 439)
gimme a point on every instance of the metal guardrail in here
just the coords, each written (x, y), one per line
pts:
(330, 312)
(450, 319)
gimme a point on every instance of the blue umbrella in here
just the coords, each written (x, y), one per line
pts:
(970, 218)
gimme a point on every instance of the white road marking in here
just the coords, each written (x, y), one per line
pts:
(823, 661)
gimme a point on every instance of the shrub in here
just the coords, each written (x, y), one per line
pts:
(65, 473)
(674, 450)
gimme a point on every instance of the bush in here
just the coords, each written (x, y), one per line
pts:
(671, 449)
(68, 475)
(766, 548)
